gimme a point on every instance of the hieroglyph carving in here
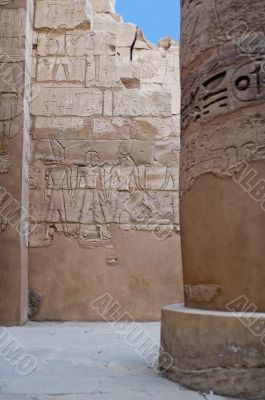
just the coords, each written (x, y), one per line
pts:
(65, 101)
(227, 89)
(104, 141)
(12, 38)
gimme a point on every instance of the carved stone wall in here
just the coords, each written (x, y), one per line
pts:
(104, 163)
(15, 66)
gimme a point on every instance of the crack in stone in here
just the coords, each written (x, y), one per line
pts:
(133, 44)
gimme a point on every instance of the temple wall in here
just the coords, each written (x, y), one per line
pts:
(104, 164)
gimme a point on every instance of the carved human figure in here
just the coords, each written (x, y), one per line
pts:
(57, 179)
(96, 199)
(53, 14)
(103, 59)
(59, 49)
(172, 167)
(5, 136)
(64, 63)
(124, 158)
(171, 177)
(8, 128)
(87, 179)
(98, 49)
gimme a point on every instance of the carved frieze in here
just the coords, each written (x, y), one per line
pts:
(104, 148)
(209, 25)
(222, 150)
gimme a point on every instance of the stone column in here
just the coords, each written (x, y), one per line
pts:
(15, 66)
(217, 339)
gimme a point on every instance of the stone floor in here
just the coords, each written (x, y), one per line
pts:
(86, 361)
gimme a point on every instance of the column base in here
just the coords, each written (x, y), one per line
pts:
(215, 351)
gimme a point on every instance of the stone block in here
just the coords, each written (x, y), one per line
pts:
(61, 69)
(62, 14)
(135, 103)
(67, 102)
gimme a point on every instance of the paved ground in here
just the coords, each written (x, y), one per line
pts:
(85, 361)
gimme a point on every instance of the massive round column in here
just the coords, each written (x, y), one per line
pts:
(215, 343)
(223, 152)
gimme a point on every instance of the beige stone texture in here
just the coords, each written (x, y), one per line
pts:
(56, 101)
(104, 164)
(215, 351)
(222, 195)
(15, 41)
(222, 132)
(89, 147)
(103, 6)
(62, 14)
(71, 281)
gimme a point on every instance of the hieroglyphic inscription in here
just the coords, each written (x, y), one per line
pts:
(12, 78)
(225, 90)
(104, 145)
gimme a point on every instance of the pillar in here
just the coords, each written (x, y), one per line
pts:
(15, 66)
(217, 339)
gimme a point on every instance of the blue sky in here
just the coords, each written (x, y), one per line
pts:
(158, 18)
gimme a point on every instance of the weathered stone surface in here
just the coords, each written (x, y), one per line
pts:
(15, 42)
(62, 14)
(222, 119)
(72, 128)
(112, 129)
(65, 69)
(35, 302)
(102, 155)
(125, 33)
(201, 293)
(67, 102)
(136, 103)
(103, 6)
(222, 201)
(12, 22)
(214, 351)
